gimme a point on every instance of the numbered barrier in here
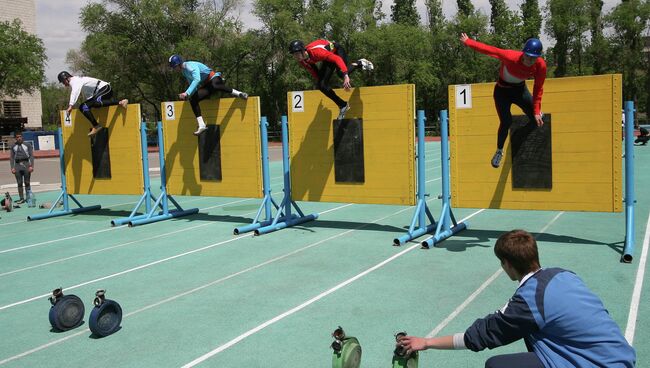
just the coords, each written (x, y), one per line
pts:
(368, 157)
(222, 161)
(571, 163)
(108, 163)
(114, 161)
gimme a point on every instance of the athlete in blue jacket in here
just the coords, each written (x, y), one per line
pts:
(562, 322)
(203, 82)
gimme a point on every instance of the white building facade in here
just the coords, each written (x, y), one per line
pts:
(27, 106)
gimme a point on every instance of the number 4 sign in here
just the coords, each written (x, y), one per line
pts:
(463, 96)
(297, 102)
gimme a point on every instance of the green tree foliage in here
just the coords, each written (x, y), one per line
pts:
(531, 19)
(567, 22)
(598, 50)
(630, 20)
(465, 7)
(54, 98)
(22, 60)
(129, 42)
(404, 12)
(504, 24)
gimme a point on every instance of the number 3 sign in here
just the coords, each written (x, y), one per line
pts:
(463, 96)
(169, 112)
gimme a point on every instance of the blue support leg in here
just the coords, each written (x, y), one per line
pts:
(447, 225)
(63, 196)
(422, 212)
(163, 199)
(284, 218)
(630, 199)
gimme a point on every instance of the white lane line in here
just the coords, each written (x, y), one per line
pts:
(291, 311)
(58, 240)
(476, 292)
(137, 268)
(101, 250)
(638, 287)
(225, 278)
(128, 270)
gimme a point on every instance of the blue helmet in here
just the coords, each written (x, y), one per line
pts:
(175, 60)
(533, 47)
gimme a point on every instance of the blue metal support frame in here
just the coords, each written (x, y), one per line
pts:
(284, 218)
(422, 211)
(630, 199)
(163, 199)
(268, 200)
(447, 226)
(147, 196)
(64, 195)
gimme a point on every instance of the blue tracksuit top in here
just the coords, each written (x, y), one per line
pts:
(195, 73)
(561, 321)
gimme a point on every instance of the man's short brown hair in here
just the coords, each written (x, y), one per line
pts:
(519, 248)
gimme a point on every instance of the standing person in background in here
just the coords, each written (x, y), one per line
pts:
(516, 67)
(22, 164)
(203, 82)
(96, 93)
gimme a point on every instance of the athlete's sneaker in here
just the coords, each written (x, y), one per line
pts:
(343, 110)
(496, 159)
(94, 131)
(200, 130)
(243, 95)
(20, 201)
(124, 103)
(365, 64)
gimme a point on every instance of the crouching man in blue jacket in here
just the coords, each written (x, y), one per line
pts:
(563, 323)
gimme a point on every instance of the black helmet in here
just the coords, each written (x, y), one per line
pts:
(63, 76)
(296, 46)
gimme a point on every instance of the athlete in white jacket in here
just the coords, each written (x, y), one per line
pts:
(96, 93)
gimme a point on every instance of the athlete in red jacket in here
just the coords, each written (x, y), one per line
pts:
(516, 67)
(332, 57)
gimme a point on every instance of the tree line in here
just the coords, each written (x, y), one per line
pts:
(128, 43)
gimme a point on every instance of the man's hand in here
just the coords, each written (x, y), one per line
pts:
(412, 343)
(13, 171)
(538, 120)
(463, 37)
(182, 96)
(68, 109)
(346, 83)
(30, 169)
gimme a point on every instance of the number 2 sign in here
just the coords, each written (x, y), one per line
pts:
(463, 96)
(297, 102)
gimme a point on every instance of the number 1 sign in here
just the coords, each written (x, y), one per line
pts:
(463, 96)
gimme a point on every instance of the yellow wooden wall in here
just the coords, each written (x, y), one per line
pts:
(240, 148)
(124, 149)
(388, 114)
(586, 148)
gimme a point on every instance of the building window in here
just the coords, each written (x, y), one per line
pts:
(11, 109)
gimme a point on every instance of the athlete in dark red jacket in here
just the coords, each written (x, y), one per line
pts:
(332, 57)
(516, 67)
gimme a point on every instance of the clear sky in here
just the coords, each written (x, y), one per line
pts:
(58, 24)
